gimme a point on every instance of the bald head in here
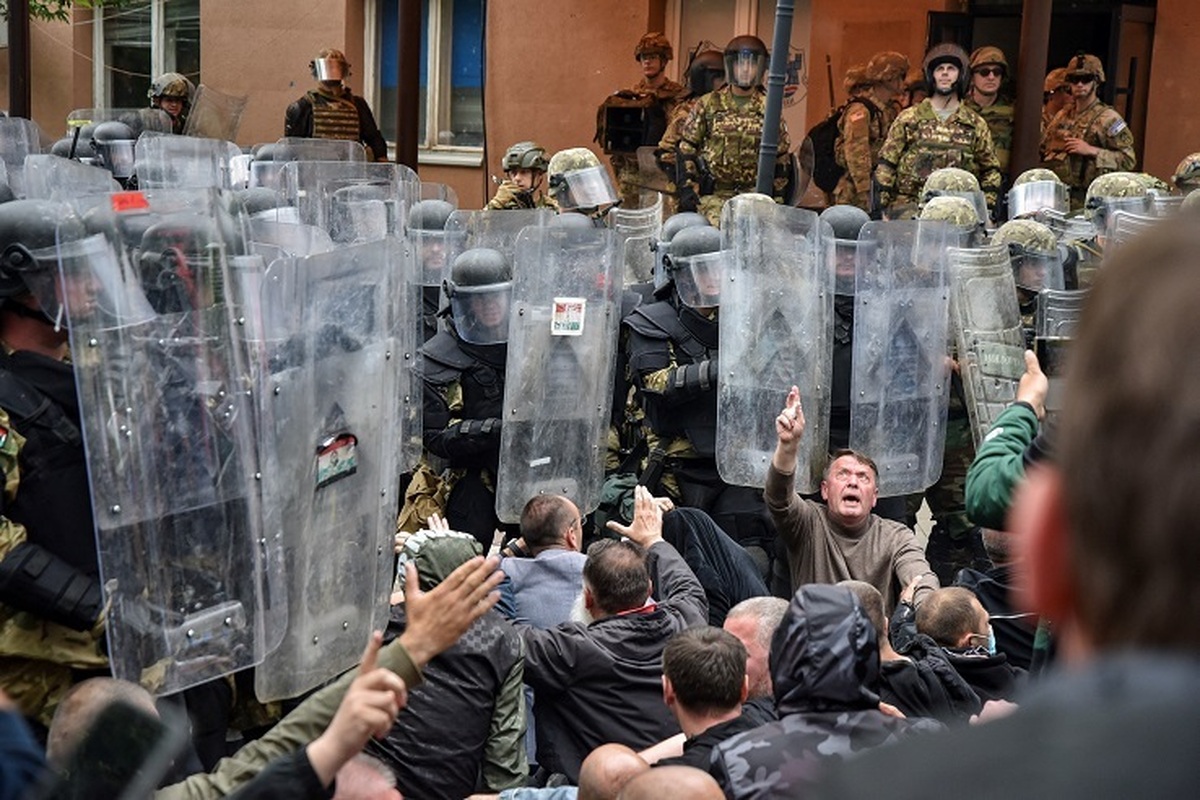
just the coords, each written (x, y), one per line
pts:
(80, 707)
(607, 769)
(672, 781)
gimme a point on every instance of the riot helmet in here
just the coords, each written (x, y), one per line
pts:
(674, 224)
(955, 182)
(579, 182)
(1033, 249)
(1114, 191)
(113, 143)
(427, 229)
(959, 212)
(330, 65)
(480, 289)
(1187, 174)
(36, 237)
(948, 53)
(697, 264)
(1035, 190)
(706, 72)
(745, 61)
(362, 212)
(845, 222)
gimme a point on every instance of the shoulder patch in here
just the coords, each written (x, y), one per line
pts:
(1117, 126)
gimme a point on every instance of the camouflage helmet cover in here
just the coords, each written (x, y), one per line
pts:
(1110, 186)
(887, 65)
(989, 54)
(172, 84)
(1055, 80)
(949, 179)
(856, 79)
(948, 53)
(653, 44)
(957, 211)
(1187, 174)
(1034, 175)
(525, 155)
(1086, 64)
(1029, 235)
(1154, 184)
(572, 158)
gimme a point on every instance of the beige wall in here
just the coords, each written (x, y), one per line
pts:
(1172, 115)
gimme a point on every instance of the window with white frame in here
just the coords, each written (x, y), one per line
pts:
(450, 124)
(136, 41)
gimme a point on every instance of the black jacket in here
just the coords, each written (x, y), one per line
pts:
(825, 669)
(602, 682)
(927, 685)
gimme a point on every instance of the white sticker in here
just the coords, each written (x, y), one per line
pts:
(540, 462)
(567, 319)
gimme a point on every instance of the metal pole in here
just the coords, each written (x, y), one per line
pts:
(19, 104)
(769, 147)
(1031, 74)
(408, 80)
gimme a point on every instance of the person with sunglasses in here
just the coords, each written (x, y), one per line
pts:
(989, 71)
(1089, 138)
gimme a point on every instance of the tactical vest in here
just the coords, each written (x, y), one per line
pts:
(334, 118)
(53, 499)
(479, 369)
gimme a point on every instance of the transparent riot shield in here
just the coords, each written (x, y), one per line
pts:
(495, 229)
(637, 230)
(1125, 226)
(409, 336)
(354, 202)
(292, 148)
(561, 356)
(53, 178)
(215, 115)
(650, 175)
(290, 238)
(169, 431)
(986, 321)
(18, 139)
(439, 191)
(900, 382)
(1058, 312)
(327, 383)
(775, 321)
(140, 119)
(165, 161)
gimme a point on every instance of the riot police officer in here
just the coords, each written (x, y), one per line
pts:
(464, 394)
(426, 227)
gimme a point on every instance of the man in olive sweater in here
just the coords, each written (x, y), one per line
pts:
(841, 540)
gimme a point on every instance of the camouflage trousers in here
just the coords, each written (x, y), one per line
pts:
(711, 205)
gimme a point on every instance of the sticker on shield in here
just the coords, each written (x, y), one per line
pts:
(567, 319)
(337, 458)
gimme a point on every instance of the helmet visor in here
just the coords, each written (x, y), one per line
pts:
(590, 187)
(481, 312)
(87, 280)
(698, 278)
(844, 253)
(1029, 198)
(1036, 271)
(329, 69)
(1103, 210)
(116, 156)
(745, 68)
(433, 255)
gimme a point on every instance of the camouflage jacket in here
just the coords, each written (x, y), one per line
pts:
(919, 143)
(724, 132)
(999, 119)
(670, 141)
(1100, 126)
(509, 196)
(861, 131)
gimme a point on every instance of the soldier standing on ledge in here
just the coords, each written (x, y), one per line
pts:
(653, 52)
(989, 70)
(1087, 139)
(332, 111)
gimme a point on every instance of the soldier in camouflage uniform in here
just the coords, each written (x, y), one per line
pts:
(653, 52)
(1090, 138)
(173, 93)
(718, 149)
(579, 182)
(332, 111)
(989, 71)
(1056, 95)
(705, 74)
(524, 165)
(954, 543)
(1030, 245)
(51, 620)
(939, 132)
(863, 127)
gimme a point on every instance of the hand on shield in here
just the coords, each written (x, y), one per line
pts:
(438, 617)
(1034, 385)
(647, 519)
(789, 425)
(368, 709)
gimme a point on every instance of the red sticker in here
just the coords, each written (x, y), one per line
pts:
(129, 201)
